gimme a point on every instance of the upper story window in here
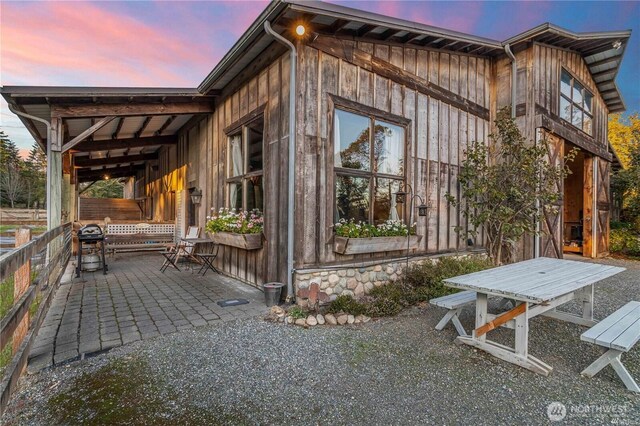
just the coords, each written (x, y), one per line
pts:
(369, 165)
(244, 168)
(576, 103)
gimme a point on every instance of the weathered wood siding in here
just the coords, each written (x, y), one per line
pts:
(548, 62)
(200, 161)
(437, 136)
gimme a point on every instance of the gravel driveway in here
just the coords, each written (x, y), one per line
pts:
(391, 371)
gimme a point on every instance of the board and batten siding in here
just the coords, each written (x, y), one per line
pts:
(205, 145)
(548, 62)
(437, 137)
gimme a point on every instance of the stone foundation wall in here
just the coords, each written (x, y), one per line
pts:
(320, 286)
(324, 285)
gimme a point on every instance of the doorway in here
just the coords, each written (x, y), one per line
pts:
(573, 234)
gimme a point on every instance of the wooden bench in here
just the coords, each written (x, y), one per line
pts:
(617, 333)
(138, 237)
(454, 303)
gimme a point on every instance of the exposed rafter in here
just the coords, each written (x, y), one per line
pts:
(103, 145)
(130, 109)
(81, 162)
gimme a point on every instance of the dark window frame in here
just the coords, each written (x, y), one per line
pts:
(373, 115)
(245, 177)
(573, 104)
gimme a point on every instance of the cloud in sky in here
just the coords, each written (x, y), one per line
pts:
(175, 43)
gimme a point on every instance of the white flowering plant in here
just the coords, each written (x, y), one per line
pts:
(239, 222)
(388, 228)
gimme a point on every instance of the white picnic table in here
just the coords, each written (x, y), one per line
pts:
(538, 287)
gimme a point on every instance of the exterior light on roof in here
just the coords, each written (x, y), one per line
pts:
(300, 30)
(617, 44)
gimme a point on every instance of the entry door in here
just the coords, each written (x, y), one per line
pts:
(597, 206)
(551, 239)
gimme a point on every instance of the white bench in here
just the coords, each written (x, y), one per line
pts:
(454, 303)
(121, 237)
(618, 333)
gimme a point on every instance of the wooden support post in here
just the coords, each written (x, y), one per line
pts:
(522, 330)
(481, 315)
(54, 203)
(21, 282)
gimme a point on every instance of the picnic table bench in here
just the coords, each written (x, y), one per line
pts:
(538, 287)
(617, 333)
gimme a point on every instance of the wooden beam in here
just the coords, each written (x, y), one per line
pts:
(605, 72)
(604, 61)
(114, 172)
(82, 136)
(130, 109)
(165, 125)
(103, 145)
(385, 69)
(114, 135)
(144, 125)
(124, 159)
(570, 133)
(501, 319)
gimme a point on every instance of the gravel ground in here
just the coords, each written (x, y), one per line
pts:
(391, 371)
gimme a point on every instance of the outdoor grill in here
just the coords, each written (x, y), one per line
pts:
(91, 235)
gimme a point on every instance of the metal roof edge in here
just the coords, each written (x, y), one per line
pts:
(562, 31)
(62, 91)
(273, 10)
(338, 11)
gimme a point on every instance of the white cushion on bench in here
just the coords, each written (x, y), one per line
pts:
(620, 330)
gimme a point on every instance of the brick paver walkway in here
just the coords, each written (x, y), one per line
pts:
(134, 301)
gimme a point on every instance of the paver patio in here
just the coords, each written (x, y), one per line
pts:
(134, 301)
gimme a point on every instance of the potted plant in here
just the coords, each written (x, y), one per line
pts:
(236, 229)
(358, 237)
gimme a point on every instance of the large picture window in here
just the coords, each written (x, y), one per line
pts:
(369, 165)
(245, 163)
(576, 103)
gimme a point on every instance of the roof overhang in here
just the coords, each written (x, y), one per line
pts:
(602, 52)
(125, 127)
(327, 18)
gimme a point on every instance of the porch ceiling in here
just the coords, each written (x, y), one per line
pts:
(144, 119)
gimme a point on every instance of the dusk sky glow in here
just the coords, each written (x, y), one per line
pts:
(176, 43)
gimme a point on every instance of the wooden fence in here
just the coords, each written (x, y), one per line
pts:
(34, 289)
(17, 216)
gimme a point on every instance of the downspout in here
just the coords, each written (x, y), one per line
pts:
(49, 165)
(292, 154)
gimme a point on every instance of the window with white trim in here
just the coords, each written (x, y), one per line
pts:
(245, 189)
(576, 103)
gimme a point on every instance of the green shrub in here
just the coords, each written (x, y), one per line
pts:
(431, 275)
(624, 241)
(346, 304)
(296, 312)
(421, 283)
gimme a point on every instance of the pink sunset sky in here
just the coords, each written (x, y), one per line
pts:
(176, 43)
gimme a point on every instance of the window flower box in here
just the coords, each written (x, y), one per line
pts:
(346, 245)
(243, 241)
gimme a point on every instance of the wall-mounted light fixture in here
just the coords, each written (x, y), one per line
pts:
(300, 30)
(106, 177)
(196, 196)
